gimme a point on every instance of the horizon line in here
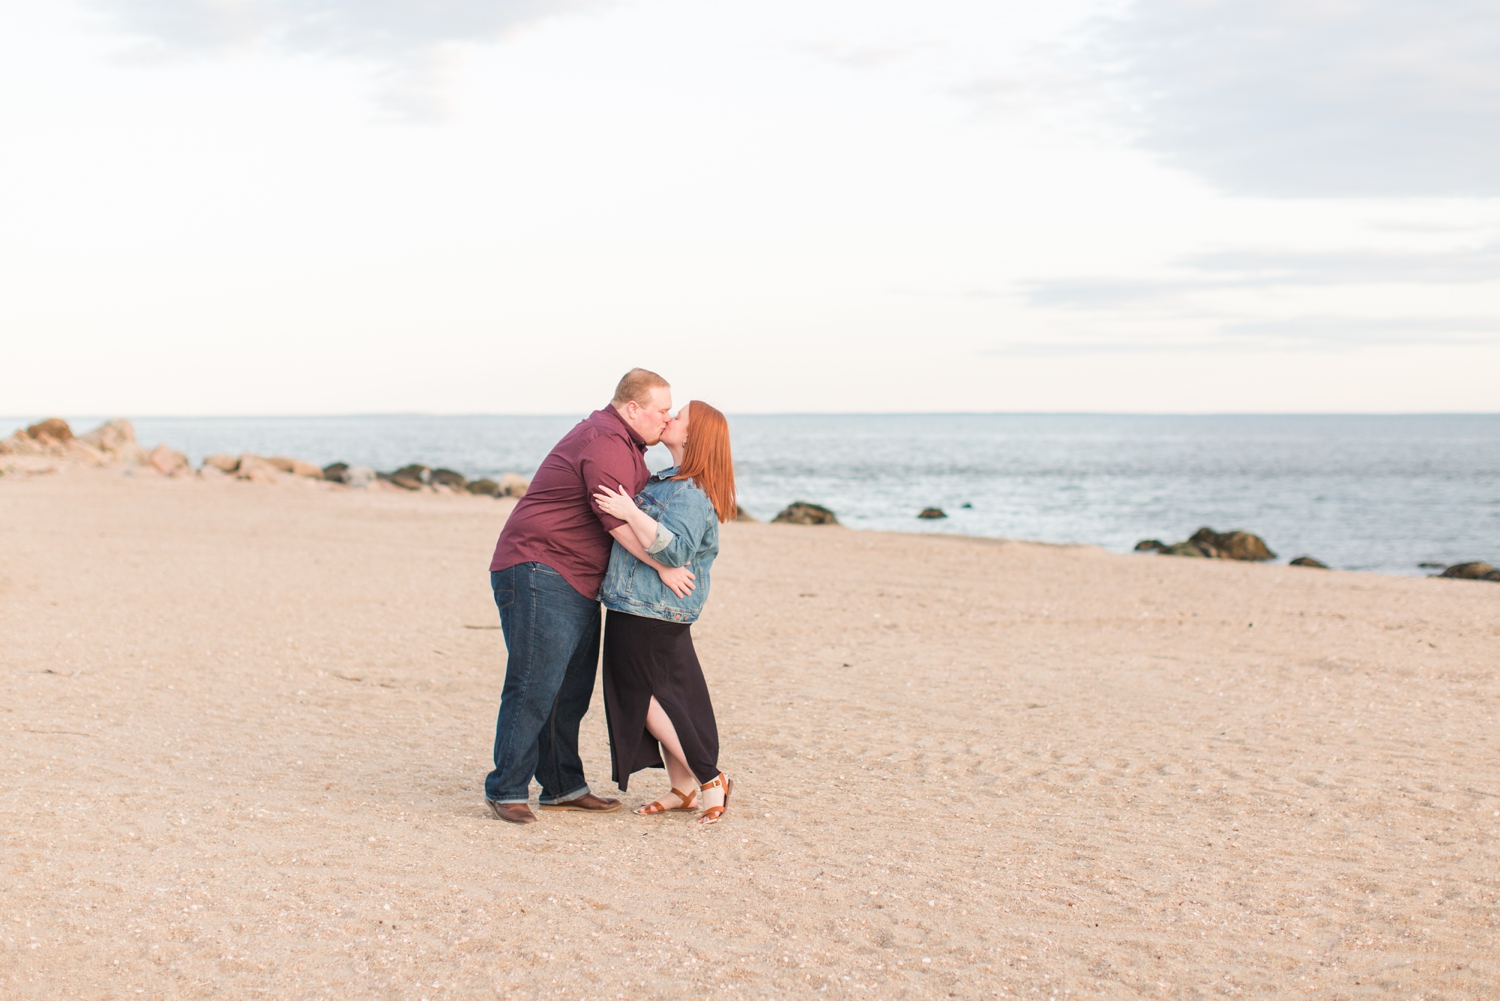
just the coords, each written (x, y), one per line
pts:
(800, 413)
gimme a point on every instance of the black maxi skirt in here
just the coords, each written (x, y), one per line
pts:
(645, 657)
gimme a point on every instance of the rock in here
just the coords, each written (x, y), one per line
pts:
(334, 472)
(401, 478)
(50, 430)
(483, 487)
(223, 463)
(1234, 545)
(1186, 549)
(206, 472)
(168, 462)
(1150, 546)
(513, 485)
(415, 471)
(1308, 561)
(803, 513)
(1492, 575)
(255, 470)
(300, 468)
(448, 478)
(115, 440)
(358, 476)
(22, 443)
(740, 514)
(931, 513)
(1468, 571)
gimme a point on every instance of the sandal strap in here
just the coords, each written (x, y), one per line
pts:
(714, 784)
(686, 797)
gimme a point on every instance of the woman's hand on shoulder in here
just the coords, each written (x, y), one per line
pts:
(617, 504)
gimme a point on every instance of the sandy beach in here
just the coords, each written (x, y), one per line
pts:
(246, 728)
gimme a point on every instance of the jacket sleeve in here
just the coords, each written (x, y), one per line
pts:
(688, 519)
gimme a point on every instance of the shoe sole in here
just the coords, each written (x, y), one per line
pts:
(579, 809)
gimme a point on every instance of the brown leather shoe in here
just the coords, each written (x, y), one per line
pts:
(587, 802)
(512, 813)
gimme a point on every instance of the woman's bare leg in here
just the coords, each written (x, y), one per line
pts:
(659, 724)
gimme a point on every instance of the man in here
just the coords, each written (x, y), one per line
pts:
(546, 572)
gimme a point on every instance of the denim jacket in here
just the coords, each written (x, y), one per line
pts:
(687, 532)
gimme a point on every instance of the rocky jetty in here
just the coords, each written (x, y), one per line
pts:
(1206, 543)
(41, 446)
(50, 445)
(804, 513)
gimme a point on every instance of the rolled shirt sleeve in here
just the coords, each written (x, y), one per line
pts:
(664, 538)
(609, 462)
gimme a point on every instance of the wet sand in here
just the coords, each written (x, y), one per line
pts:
(245, 729)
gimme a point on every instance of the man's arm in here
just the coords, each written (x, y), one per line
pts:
(679, 579)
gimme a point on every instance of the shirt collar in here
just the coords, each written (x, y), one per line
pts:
(635, 436)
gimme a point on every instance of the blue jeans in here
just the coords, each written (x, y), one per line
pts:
(552, 636)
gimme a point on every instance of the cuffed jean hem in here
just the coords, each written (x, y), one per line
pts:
(578, 793)
(510, 799)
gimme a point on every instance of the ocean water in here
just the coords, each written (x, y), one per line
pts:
(1377, 493)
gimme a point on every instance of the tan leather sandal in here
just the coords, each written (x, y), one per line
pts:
(689, 803)
(713, 813)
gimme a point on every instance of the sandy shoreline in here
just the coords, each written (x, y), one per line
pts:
(247, 727)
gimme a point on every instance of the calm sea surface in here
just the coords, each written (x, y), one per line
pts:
(1358, 492)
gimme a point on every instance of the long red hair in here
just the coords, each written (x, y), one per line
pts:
(706, 459)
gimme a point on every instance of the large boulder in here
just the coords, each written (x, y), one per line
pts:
(484, 487)
(1478, 570)
(412, 477)
(932, 513)
(1234, 545)
(296, 467)
(513, 485)
(168, 462)
(115, 441)
(223, 463)
(804, 513)
(22, 443)
(403, 478)
(447, 478)
(53, 429)
(1308, 561)
(358, 476)
(334, 472)
(254, 469)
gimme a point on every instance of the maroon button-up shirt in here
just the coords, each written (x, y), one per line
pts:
(557, 522)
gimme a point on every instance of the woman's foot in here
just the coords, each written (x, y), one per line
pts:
(715, 798)
(674, 801)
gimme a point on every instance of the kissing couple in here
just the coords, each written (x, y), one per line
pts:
(596, 527)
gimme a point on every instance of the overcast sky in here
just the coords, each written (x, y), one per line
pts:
(344, 206)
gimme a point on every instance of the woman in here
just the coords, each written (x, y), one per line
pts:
(654, 692)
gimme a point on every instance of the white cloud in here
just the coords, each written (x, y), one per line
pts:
(411, 44)
(1319, 98)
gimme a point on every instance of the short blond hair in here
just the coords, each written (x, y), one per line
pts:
(636, 385)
